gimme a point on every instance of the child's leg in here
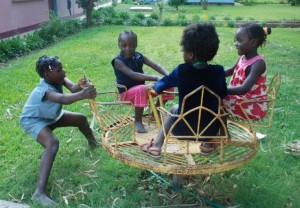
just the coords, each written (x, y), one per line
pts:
(51, 144)
(139, 126)
(77, 120)
(138, 96)
(159, 141)
(155, 146)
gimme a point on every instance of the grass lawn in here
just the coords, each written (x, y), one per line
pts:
(84, 178)
(260, 12)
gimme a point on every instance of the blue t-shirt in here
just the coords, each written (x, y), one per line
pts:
(135, 63)
(38, 112)
(187, 78)
(37, 107)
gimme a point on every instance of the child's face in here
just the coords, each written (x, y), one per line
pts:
(242, 42)
(127, 46)
(56, 75)
(187, 56)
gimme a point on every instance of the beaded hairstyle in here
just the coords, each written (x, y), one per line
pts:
(46, 63)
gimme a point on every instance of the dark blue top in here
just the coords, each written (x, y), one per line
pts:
(187, 78)
(135, 64)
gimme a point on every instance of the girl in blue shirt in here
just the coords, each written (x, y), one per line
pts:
(43, 113)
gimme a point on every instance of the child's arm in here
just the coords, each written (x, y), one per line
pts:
(257, 69)
(229, 71)
(87, 92)
(156, 66)
(74, 87)
(119, 65)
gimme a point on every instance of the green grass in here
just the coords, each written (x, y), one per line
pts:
(92, 178)
(260, 12)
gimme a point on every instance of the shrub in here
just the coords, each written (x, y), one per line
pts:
(118, 21)
(136, 21)
(139, 15)
(231, 24)
(13, 47)
(19, 46)
(107, 12)
(167, 22)
(150, 22)
(124, 15)
(212, 18)
(154, 16)
(182, 20)
(34, 41)
(239, 18)
(108, 20)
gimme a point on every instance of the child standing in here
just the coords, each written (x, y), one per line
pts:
(248, 74)
(200, 44)
(43, 113)
(128, 68)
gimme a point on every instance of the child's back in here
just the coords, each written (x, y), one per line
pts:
(200, 44)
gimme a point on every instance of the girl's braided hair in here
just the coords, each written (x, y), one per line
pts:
(46, 63)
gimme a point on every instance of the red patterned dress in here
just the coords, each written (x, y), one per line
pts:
(255, 111)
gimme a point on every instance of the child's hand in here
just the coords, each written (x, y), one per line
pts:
(89, 91)
(157, 78)
(82, 82)
(149, 86)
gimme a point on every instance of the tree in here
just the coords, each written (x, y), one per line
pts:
(160, 8)
(204, 4)
(294, 2)
(88, 6)
(176, 3)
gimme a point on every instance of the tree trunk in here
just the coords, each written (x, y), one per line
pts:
(89, 11)
(204, 4)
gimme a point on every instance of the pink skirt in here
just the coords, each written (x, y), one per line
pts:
(138, 95)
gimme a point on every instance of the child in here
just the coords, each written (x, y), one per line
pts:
(43, 113)
(200, 44)
(248, 74)
(128, 68)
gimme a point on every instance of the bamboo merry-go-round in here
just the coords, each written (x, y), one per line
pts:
(179, 157)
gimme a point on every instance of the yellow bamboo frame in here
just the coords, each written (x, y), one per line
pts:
(184, 159)
(272, 94)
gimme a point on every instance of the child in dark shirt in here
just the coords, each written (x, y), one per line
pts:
(200, 44)
(128, 67)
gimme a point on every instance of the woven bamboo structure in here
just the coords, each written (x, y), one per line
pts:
(180, 157)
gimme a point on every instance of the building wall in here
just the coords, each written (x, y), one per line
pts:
(62, 9)
(19, 16)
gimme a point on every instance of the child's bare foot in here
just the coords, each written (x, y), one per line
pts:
(139, 127)
(43, 199)
(94, 143)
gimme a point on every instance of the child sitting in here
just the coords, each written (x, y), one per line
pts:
(43, 113)
(128, 68)
(248, 74)
(200, 44)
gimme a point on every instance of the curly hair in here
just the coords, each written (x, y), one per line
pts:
(46, 63)
(200, 39)
(256, 31)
